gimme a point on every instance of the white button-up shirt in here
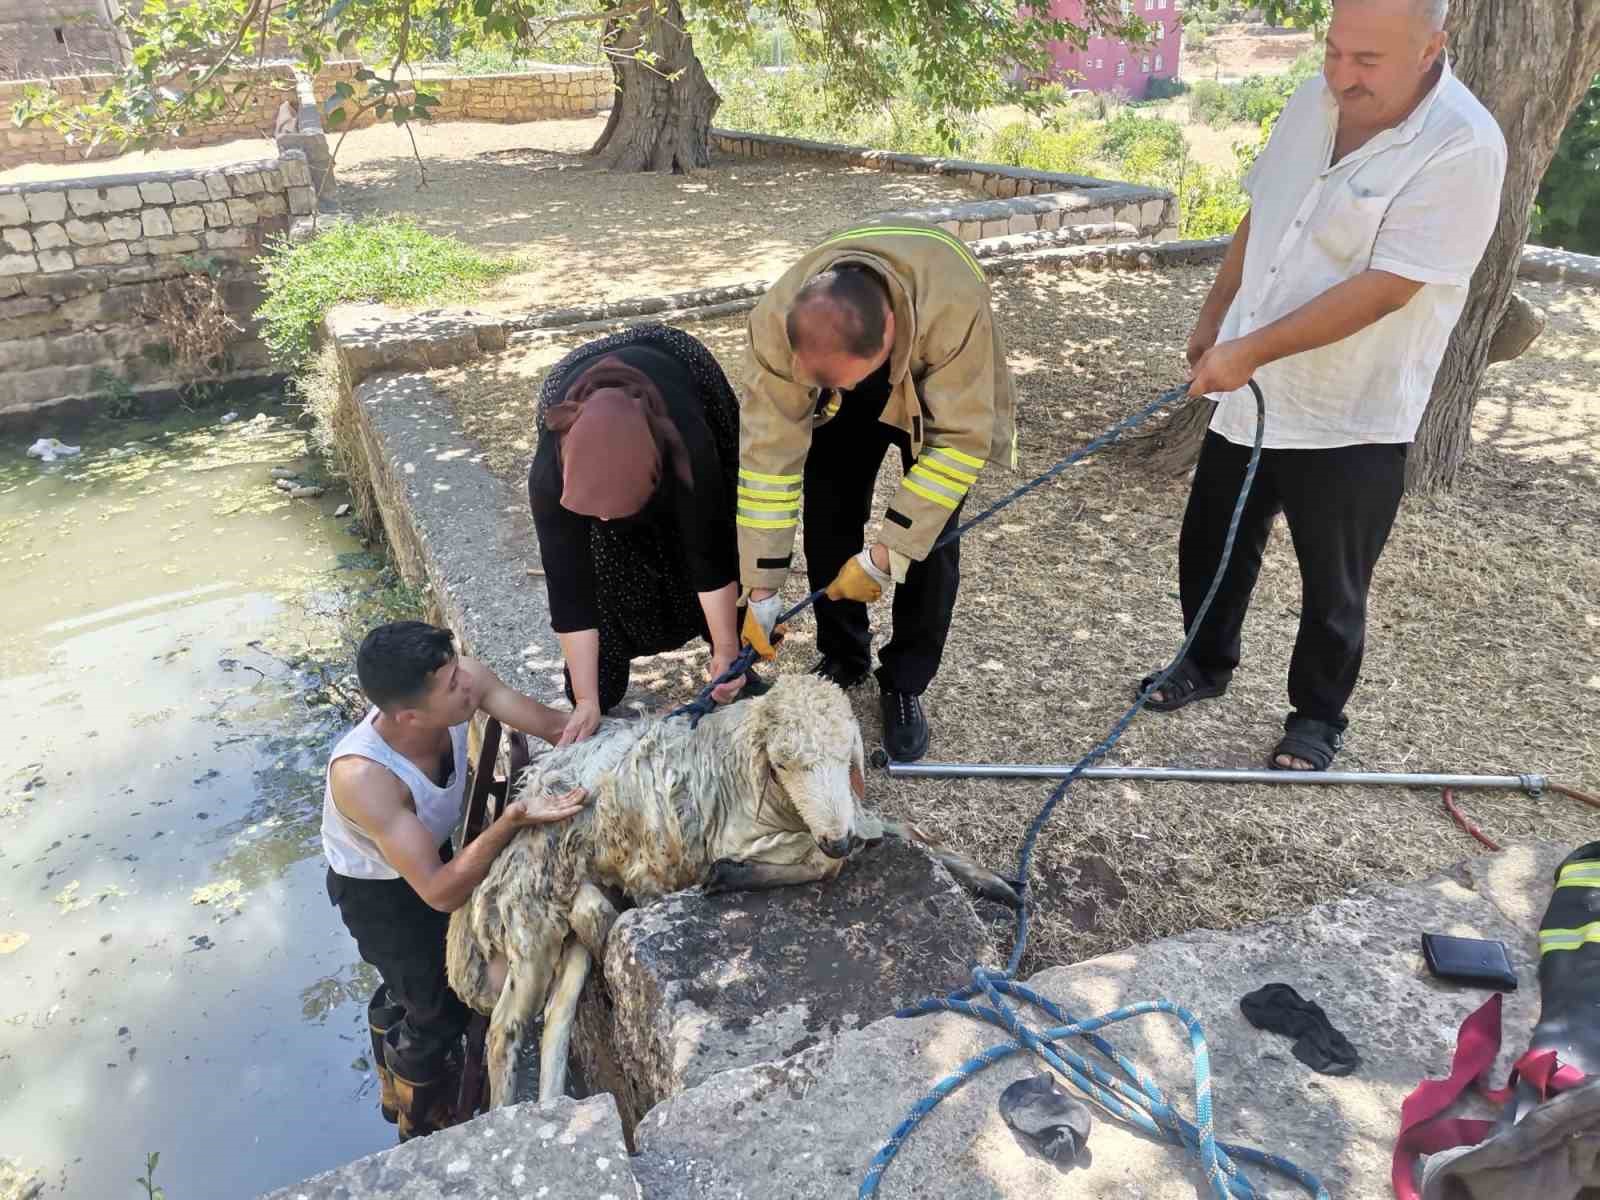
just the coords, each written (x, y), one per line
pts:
(1419, 200)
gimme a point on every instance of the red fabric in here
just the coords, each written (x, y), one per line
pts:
(1477, 1044)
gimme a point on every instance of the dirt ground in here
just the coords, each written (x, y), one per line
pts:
(1483, 656)
(1235, 51)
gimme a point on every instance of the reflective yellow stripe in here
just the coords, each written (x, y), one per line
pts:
(959, 478)
(770, 506)
(758, 494)
(938, 235)
(961, 459)
(1551, 940)
(939, 484)
(753, 523)
(757, 477)
(912, 486)
(1584, 874)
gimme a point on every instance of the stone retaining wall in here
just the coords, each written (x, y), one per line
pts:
(80, 261)
(1023, 200)
(538, 94)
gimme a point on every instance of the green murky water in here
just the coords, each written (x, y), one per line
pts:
(172, 976)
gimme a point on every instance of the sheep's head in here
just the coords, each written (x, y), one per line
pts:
(814, 754)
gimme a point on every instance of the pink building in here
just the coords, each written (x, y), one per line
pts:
(1109, 65)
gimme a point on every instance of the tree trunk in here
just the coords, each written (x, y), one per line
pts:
(661, 114)
(1530, 62)
(1490, 47)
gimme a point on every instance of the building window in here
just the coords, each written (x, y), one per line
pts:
(1099, 64)
(1144, 65)
(1122, 69)
(1158, 62)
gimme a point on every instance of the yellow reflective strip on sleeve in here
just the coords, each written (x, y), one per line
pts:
(753, 523)
(938, 483)
(758, 477)
(957, 457)
(770, 506)
(960, 478)
(1551, 940)
(913, 487)
(938, 235)
(1584, 874)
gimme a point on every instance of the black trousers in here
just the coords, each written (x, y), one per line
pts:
(1340, 505)
(841, 469)
(403, 938)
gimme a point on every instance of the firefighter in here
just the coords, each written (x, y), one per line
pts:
(883, 336)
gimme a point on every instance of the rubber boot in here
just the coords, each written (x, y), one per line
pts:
(382, 1016)
(1547, 1146)
(427, 1106)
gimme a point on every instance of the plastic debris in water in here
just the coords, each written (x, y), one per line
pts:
(227, 418)
(48, 450)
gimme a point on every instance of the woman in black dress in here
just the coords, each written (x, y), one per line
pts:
(633, 486)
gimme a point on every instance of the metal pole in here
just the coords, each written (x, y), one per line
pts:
(1532, 784)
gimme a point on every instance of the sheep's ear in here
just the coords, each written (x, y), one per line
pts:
(858, 769)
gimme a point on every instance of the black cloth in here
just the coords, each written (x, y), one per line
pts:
(400, 935)
(637, 581)
(1055, 1124)
(840, 472)
(1340, 505)
(1278, 1008)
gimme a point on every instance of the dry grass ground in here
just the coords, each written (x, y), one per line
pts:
(1484, 642)
(1235, 51)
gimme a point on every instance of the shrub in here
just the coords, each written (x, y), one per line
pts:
(1165, 89)
(389, 260)
(1567, 209)
(1067, 147)
(1129, 128)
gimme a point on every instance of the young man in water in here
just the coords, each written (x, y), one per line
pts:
(396, 788)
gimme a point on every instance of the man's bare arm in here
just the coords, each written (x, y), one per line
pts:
(375, 799)
(1342, 310)
(510, 707)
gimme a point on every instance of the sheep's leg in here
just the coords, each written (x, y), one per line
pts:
(592, 916)
(527, 983)
(558, 1018)
(732, 875)
(979, 880)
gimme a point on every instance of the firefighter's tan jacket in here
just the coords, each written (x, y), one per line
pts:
(950, 393)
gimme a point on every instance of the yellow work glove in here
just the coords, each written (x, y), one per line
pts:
(860, 579)
(760, 632)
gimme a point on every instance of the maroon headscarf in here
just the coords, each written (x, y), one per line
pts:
(615, 435)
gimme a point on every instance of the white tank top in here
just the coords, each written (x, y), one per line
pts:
(349, 849)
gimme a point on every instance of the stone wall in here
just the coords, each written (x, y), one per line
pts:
(250, 115)
(1023, 200)
(57, 37)
(540, 94)
(80, 261)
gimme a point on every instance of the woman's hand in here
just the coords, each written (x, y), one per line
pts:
(580, 726)
(721, 660)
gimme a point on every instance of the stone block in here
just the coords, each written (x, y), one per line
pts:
(123, 198)
(86, 233)
(272, 180)
(227, 239)
(696, 984)
(1169, 234)
(86, 202)
(46, 206)
(217, 187)
(995, 228)
(563, 1150)
(820, 1116)
(184, 244)
(124, 229)
(156, 222)
(1152, 213)
(10, 285)
(190, 191)
(18, 264)
(1128, 214)
(245, 183)
(243, 212)
(188, 219)
(18, 240)
(55, 260)
(13, 209)
(1022, 223)
(156, 192)
(23, 307)
(296, 173)
(114, 254)
(217, 216)
(269, 205)
(1098, 216)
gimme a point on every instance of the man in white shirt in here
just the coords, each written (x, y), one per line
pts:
(1370, 208)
